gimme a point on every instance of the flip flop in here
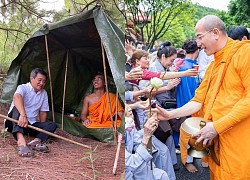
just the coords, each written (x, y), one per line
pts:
(38, 146)
(24, 151)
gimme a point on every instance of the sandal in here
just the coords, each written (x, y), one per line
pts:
(24, 151)
(38, 146)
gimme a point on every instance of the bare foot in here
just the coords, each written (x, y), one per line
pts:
(204, 164)
(191, 168)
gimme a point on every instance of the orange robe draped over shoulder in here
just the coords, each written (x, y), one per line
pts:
(99, 113)
(230, 113)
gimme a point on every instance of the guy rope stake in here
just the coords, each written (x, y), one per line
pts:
(46, 132)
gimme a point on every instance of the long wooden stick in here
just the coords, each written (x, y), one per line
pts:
(46, 132)
(50, 79)
(64, 86)
(116, 109)
(117, 153)
(107, 91)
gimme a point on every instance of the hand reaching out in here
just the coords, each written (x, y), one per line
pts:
(173, 83)
(191, 72)
(134, 74)
(162, 114)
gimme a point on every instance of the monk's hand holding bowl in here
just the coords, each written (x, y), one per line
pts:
(207, 134)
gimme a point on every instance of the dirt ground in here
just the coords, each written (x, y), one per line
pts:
(62, 162)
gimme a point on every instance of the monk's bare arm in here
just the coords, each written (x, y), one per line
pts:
(186, 110)
(85, 106)
(120, 114)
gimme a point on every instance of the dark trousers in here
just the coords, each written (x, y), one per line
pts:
(14, 128)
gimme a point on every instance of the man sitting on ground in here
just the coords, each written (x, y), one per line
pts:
(29, 107)
(95, 109)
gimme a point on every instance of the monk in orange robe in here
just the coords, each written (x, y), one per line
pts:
(229, 116)
(95, 109)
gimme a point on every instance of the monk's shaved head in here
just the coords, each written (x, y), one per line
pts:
(210, 22)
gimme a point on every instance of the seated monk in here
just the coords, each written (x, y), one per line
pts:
(95, 109)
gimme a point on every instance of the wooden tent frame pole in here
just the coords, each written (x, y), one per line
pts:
(50, 80)
(107, 92)
(64, 86)
(116, 109)
(46, 132)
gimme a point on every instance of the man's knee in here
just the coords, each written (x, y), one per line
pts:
(52, 126)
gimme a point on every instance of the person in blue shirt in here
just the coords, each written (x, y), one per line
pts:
(186, 89)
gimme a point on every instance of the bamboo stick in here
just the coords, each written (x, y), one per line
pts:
(46, 132)
(50, 79)
(116, 109)
(107, 91)
(117, 153)
(64, 85)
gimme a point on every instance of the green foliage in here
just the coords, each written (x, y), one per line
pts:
(4, 133)
(163, 15)
(90, 157)
(239, 10)
(110, 7)
(18, 22)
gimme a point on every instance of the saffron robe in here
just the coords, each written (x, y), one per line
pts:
(230, 112)
(99, 113)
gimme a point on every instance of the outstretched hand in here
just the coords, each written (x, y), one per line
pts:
(191, 72)
(162, 114)
(207, 133)
(142, 104)
(134, 74)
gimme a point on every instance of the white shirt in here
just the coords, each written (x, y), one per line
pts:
(33, 102)
(203, 61)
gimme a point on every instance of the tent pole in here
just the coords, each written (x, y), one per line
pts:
(64, 86)
(47, 132)
(107, 91)
(116, 109)
(50, 80)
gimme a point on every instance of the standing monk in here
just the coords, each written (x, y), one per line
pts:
(229, 116)
(95, 109)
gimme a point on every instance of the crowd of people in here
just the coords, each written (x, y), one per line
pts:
(183, 95)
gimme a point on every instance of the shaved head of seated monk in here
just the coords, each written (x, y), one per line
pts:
(95, 109)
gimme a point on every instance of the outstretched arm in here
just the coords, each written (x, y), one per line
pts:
(171, 75)
(186, 110)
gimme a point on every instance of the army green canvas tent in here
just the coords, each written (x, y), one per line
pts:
(71, 52)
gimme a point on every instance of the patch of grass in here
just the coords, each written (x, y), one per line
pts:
(4, 134)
